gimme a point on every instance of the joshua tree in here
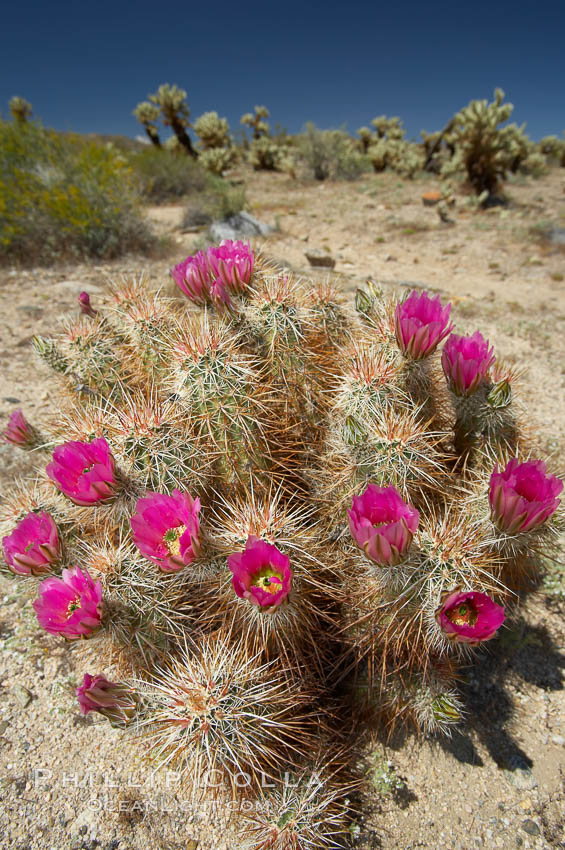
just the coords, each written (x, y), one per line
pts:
(148, 114)
(21, 109)
(175, 113)
(256, 121)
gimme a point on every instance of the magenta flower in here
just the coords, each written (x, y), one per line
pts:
(85, 305)
(70, 606)
(219, 296)
(166, 529)
(382, 524)
(420, 324)
(84, 472)
(232, 263)
(523, 496)
(193, 277)
(468, 616)
(261, 574)
(466, 361)
(19, 432)
(33, 546)
(114, 700)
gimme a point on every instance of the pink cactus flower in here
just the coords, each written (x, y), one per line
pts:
(468, 616)
(166, 529)
(19, 432)
(114, 700)
(33, 546)
(84, 472)
(70, 606)
(382, 524)
(219, 296)
(523, 496)
(466, 361)
(232, 262)
(420, 324)
(193, 277)
(85, 305)
(261, 574)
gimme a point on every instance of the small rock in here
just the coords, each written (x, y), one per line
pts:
(521, 778)
(10, 399)
(239, 226)
(3, 726)
(23, 696)
(191, 844)
(557, 235)
(531, 827)
(320, 259)
(559, 740)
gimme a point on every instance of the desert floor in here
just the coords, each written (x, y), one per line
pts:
(69, 782)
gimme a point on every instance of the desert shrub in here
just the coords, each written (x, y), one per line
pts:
(330, 154)
(218, 201)
(165, 175)
(64, 197)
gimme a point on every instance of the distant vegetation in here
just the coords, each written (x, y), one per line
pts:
(68, 196)
(63, 197)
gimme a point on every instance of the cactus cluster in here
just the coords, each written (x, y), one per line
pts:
(269, 522)
(484, 151)
(386, 147)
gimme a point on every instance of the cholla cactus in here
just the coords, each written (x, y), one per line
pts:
(269, 520)
(148, 114)
(389, 128)
(20, 109)
(214, 132)
(484, 151)
(387, 147)
(256, 121)
(218, 160)
(265, 154)
(175, 113)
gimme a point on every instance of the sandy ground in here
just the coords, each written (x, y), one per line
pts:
(70, 782)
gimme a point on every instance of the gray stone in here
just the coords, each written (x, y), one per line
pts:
(521, 778)
(23, 696)
(320, 259)
(3, 726)
(531, 827)
(556, 235)
(242, 225)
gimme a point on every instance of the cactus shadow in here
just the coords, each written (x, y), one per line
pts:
(525, 652)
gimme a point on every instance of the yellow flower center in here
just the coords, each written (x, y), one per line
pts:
(172, 537)
(463, 615)
(267, 579)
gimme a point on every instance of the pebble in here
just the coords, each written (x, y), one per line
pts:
(559, 740)
(320, 258)
(531, 827)
(23, 695)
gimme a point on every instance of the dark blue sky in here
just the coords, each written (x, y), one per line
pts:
(84, 66)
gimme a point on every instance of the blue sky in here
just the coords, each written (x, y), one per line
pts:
(84, 67)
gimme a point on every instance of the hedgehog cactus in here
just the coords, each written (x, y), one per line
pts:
(273, 516)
